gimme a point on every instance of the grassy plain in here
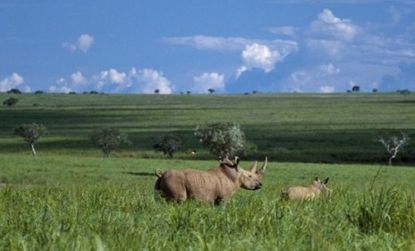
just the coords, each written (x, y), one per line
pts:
(328, 128)
(70, 198)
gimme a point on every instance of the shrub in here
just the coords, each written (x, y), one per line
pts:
(10, 101)
(168, 144)
(31, 133)
(222, 139)
(39, 92)
(14, 91)
(108, 139)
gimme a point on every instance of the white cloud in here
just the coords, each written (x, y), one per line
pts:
(83, 43)
(207, 81)
(148, 80)
(210, 43)
(115, 81)
(113, 76)
(283, 30)
(60, 86)
(328, 25)
(228, 43)
(77, 78)
(259, 56)
(327, 89)
(328, 69)
(13, 81)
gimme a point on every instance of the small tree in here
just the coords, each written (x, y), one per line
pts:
(14, 91)
(393, 145)
(108, 139)
(356, 88)
(168, 144)
(211, 91)
(31, 133)
(10, 101)
(157, 91)
(374, 90)
(222, 139)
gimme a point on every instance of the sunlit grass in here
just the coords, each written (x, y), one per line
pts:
(71, 202)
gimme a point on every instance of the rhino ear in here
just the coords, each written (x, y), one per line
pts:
(326, 180)
(317, 179)
(236, 160)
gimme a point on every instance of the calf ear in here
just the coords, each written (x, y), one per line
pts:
(264, 166)
(158, 173)
(326, 180)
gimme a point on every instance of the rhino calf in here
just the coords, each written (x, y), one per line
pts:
(213, 186)
(312, 191)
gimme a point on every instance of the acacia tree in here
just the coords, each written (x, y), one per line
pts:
(31, 133)
(108, 139)
(393, 145)
(168, 144)
(222, 139)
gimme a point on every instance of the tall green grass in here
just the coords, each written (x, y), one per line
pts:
(116, 217)
(83, 203)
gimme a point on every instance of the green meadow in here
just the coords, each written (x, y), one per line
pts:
(71, 198)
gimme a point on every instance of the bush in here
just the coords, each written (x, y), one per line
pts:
(14, 91)
(10, 101)
(222, 139)
(31, 133)
(168, 144)
(108, 139)
(39, 92)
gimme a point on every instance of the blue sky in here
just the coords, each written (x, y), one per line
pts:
(230, 46)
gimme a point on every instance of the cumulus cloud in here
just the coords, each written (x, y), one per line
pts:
(328, 25)
(115, 81)
(77, 78)
(60, 86)
(207, 81)
(148, 80)
(13, 81)
(327, 89)
(83, 43)
(255, 53)
(259, 56)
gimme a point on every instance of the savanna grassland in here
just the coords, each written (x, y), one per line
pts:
(71, 198)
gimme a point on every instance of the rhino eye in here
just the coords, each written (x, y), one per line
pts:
(250, 176)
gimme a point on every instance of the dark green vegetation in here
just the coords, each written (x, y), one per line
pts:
(291, 127)
(72, 203)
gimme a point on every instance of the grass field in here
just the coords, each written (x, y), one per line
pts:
(71, 198)
(333, 128)
(71, 203)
